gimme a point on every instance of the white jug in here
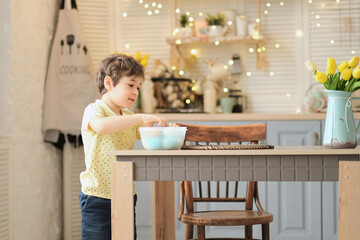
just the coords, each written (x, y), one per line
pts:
(241, 26)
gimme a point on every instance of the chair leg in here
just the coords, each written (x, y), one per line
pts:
(248, 232)
(200, 232)
(189, 231)
(265, 231)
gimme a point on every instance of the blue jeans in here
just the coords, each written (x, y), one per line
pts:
(96, 217)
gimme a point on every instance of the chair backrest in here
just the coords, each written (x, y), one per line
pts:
(225, 134)
(201, 134)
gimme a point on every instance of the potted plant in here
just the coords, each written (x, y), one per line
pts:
(185, 30)
(216, 24)
(340, 131)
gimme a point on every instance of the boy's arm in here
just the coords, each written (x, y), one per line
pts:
(106, 125)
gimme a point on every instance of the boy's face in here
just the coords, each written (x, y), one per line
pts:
(126, 92)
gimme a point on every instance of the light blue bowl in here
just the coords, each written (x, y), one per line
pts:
(162, 138)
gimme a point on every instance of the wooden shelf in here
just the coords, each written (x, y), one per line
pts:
(222, 39)
(176, 55)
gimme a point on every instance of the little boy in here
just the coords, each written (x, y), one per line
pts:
(107, 125)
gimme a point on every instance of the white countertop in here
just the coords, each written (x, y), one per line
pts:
(245, 116)
(278, 150)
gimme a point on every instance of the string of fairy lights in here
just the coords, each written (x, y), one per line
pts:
(153, 8)
(346, 19)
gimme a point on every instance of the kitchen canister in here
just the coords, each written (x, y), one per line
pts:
(147, 96)
(241, 26)
(210, 97)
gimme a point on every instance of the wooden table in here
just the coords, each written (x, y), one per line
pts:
(279, 164)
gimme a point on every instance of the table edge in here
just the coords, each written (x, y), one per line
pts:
(279, 150)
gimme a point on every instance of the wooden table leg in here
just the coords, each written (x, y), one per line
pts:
(163, 210)
(349, 199)
(122, 201)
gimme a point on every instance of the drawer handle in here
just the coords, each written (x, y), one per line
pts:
(316, 137)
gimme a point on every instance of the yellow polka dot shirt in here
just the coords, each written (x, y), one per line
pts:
(96, 179)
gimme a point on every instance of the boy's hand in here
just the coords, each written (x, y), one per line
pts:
(149, 120)
(173, 125)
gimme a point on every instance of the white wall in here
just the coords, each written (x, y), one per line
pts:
(36, 192)
(281, 88)
(278, 89)
(5, 117)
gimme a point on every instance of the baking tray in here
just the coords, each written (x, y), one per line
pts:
(229, 147)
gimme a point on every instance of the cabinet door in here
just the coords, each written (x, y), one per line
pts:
(329, 205)
(294, 133)
(296, 206)
(330, 210)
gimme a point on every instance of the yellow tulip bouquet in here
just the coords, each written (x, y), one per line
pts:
(143, 60)
(346, 79)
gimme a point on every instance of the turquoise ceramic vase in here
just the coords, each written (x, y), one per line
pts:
(340, 131)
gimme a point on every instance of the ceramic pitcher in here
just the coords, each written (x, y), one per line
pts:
(340, 131)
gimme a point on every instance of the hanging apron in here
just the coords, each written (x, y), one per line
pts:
(70, 85)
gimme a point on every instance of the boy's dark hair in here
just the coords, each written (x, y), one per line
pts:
(117, 66)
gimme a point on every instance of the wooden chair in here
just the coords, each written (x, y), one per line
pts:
(247, 217)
